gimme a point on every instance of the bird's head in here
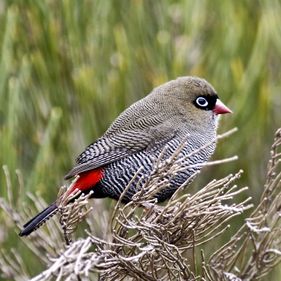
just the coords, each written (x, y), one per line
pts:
(196, 100)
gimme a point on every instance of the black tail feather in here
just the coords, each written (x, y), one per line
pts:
(39, 219)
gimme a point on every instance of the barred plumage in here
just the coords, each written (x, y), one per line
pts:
(185, 109)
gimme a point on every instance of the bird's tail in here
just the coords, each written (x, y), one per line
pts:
(39, 219)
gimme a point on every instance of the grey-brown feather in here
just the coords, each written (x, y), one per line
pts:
(164, 117)
(134, 130)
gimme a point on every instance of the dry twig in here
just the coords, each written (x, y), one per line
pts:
(146, 241)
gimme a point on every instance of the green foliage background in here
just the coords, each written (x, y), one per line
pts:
(68, 68)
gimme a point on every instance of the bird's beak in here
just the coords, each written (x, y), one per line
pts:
(220, 108)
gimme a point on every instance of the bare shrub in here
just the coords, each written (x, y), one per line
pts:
(145, 241)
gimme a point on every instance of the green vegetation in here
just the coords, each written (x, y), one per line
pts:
(67, 68)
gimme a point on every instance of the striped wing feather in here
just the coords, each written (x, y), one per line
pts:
(139, 127)
(108, 150)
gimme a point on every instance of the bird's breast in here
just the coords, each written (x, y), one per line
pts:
(117, 175)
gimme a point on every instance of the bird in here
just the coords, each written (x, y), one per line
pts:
(185, 110)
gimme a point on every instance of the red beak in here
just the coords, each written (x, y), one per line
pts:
(220, 108)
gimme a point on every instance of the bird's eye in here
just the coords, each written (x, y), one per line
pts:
(201, 102)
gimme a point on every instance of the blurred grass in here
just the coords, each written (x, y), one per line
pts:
(67, 68)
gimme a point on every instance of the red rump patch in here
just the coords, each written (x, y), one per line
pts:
(88, 179)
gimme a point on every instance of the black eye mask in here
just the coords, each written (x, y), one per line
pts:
(206, 102)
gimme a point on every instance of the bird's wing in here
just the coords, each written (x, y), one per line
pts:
(117, 146)
(144, 124)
